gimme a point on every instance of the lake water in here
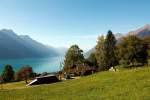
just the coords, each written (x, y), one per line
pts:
(39, 65)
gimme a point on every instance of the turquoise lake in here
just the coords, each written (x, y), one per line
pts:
(39, 65)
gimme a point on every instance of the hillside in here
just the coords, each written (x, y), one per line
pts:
(130, 84)
(22, 46)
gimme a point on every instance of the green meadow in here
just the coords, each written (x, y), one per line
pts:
(127, 84)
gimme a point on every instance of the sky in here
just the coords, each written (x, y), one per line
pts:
(62, 23)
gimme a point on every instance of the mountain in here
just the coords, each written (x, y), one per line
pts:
(22, 46)
(61, 50)
(141, 32)
(92, 50)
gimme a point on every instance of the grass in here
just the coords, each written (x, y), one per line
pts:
(14, 85)
(131, 84)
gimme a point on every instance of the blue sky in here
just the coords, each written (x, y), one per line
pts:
(61, 23)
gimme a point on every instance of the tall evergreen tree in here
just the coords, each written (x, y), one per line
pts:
(73, 57)
(105, 51)
(8, 73)
(110, 49)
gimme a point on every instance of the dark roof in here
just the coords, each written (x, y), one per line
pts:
(44, 80)
(45, 76)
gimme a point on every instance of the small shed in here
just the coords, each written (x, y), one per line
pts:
(44, 80)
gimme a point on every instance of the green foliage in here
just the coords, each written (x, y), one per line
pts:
(8, 73)
(106, 51)
(100, 53)
(73, 57)
(92, 60)
(132, 51)
(147, 42)
(110, 49)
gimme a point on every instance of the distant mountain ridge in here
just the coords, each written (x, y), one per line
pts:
(140, 32)
(22, 46)
(92, 50)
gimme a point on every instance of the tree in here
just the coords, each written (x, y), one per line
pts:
(106, 51)
(8, 73)
(92, 60)
(73, 57)
(132, 51)
(101, 54)
(147, 42)
(110, 49)
(24, 73)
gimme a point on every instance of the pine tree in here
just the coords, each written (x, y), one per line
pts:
(110, 49)
(106, 51)
(8, 73)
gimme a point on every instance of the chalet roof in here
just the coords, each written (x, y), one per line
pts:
(44, 80)
(46, 76)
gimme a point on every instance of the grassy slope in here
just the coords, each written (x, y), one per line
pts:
(122, 85)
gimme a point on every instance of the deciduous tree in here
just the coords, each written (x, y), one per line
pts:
(132, 51)
(24, 73)
(73, 57)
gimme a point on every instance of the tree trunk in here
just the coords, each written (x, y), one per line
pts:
(26, 80)
(114, 68)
